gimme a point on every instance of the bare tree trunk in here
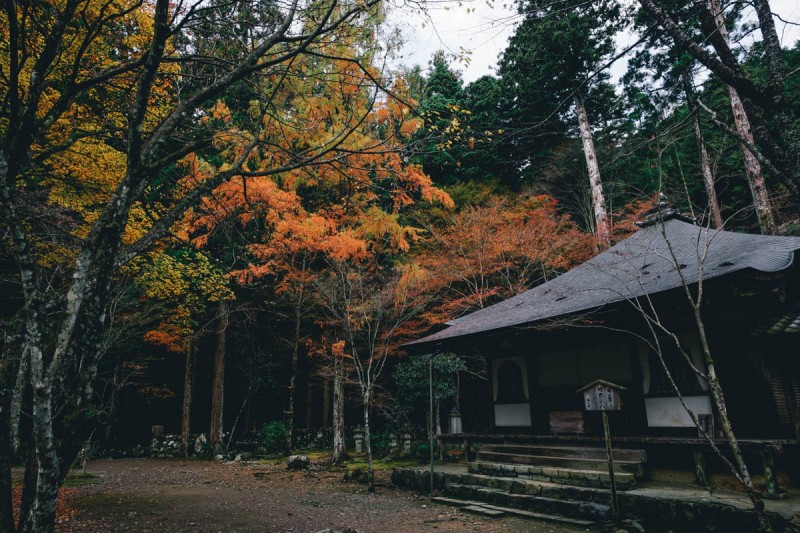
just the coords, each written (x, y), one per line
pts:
(6, 506)
(602, 226)
(236, 420)
(740, 470)
(43, 511)
(339, 452)
(186, 409)
(326, 401)
(708, 175)
(727, 428)
(85, 453)
(752, 168)
(28, 486)
(293, 378)
(772, 45)
(8, 373)
(366, 395)
(705, 163)
(309, 403)
(112, 401)
(16, 401)
(218, 388)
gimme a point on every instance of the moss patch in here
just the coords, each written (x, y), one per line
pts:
(272, 460)
(81, 479)
(380, 464)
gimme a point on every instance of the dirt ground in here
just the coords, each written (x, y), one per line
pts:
(146, 495)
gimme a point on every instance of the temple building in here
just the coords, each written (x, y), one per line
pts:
(623, 317)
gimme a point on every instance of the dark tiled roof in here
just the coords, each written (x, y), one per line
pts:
(641, 264)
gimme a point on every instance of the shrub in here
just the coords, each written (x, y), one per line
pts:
(273, 437)
(421, 449)
(380, 443)
(454, 455)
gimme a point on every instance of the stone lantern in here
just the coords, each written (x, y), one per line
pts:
(455, 421)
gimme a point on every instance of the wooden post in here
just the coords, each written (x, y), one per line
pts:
(430, 418)
(700, 474)
(604, 396)
(610, 455)
(466, 450)
(773, 489)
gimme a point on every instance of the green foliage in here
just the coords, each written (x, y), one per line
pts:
(421, 449)
(442, 80)
(272, 437)
(439, 106)
(462, 140)
(380, 442)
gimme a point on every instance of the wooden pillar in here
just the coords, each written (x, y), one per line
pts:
(490, 381)
(531, 376)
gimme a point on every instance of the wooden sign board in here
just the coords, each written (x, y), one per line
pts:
(600, 395)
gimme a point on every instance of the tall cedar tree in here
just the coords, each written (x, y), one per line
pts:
(553, 65)
(674, 67)
(764, 99)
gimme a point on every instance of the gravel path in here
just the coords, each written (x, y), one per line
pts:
(144, 495)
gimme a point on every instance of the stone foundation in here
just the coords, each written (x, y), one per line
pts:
(658, 507)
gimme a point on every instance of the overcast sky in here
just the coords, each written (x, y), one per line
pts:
(482, 29)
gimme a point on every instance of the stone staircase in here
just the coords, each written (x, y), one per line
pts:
(558, 483)
(569, 465)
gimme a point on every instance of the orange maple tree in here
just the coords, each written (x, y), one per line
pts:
(486, 253)
(346, 207)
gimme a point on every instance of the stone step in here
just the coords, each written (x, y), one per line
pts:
(464, 504)
(537, 504)
(580, 463)
(531, 487)
(483, 511)
(588, 452)
(564, 476)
